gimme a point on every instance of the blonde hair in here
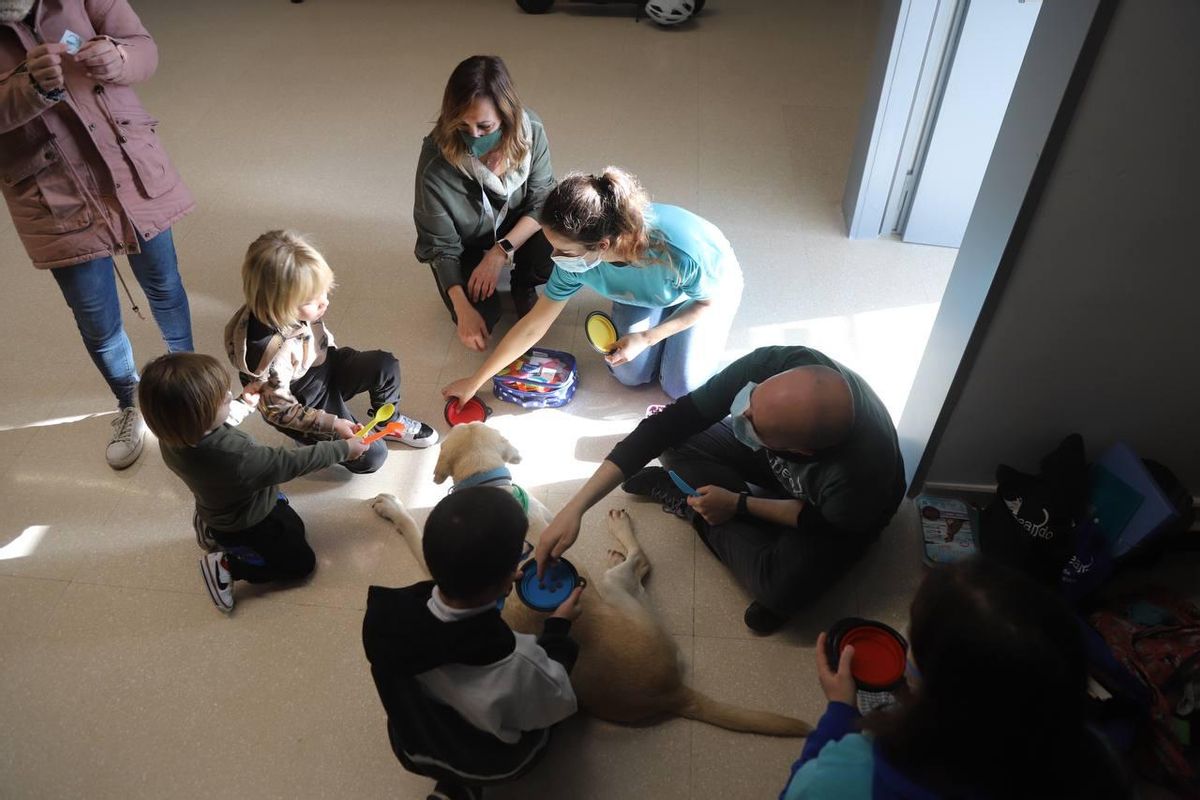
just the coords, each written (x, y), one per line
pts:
(589, 209)
(474, 78)
(180, 395)
(282, 271)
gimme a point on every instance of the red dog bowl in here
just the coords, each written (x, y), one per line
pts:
(880, 653)
(474, 410)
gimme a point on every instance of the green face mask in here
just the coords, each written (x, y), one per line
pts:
(480, 145)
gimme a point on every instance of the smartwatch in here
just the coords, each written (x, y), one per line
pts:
(742, 510)
(508, 249)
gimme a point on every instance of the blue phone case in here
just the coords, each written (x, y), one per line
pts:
(682, 484)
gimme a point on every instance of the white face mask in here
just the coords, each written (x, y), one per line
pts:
(576, 264)
(742, 429)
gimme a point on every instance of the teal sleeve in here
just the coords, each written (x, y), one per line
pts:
(716, 396)
(844, 771)
(562, 285)
(266, 466)
(694, 281)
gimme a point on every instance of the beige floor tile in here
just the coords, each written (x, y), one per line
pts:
(758, 674)
(151, 694)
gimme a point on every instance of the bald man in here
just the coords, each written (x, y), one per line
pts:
(796, 465)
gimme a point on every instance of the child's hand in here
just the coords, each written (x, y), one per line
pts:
(345, 428)
(356, 447)
(570, 608)
(839, 687)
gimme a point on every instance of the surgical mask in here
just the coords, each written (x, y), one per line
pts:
(576, 264)
(742, 429)
(480, 145)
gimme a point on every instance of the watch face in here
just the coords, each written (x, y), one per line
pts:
(506, 246)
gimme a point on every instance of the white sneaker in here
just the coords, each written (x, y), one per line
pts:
(217, 580)
(416, 433)
(128, 436)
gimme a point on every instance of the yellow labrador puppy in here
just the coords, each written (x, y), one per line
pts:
(628, 668)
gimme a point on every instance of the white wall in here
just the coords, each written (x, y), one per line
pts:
(1097, 329)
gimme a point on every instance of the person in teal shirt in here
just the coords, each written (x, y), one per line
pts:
(996, 708)
(672, 276)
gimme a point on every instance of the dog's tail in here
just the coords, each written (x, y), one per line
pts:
(701, 707)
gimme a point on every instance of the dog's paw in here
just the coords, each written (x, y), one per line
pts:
(388, 507)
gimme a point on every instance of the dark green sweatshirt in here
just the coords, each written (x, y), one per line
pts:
(448, 209)
(236, 480)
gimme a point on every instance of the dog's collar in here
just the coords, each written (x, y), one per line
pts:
(497, 475)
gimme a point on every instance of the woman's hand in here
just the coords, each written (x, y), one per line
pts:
(463, 389)
(44, 64)
(839, 687)
(472, 330)
(715, 504)
(627, 348)
(103, 59)
(482, 283)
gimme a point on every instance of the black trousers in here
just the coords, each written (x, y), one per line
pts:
(532, 266)
(784, 568)
(346, 373)
(273, 550)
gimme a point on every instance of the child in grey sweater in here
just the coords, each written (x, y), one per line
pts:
(245, 523)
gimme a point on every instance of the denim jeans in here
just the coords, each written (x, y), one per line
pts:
(90, 290)
(682, 362)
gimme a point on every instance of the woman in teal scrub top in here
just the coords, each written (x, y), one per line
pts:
(672, 276)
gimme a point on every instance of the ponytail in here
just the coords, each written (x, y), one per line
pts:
(591, 208)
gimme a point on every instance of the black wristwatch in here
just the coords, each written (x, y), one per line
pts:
(742, 510)
(508, 249)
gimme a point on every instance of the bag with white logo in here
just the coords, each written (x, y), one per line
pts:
(1031, 523)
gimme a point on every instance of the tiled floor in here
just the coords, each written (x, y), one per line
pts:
(119, 679)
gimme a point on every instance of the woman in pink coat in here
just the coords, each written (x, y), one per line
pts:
(85, 178)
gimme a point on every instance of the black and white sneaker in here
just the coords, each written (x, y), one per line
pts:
(215, 570)
(416, 433)
(203, 537)
(655, 483)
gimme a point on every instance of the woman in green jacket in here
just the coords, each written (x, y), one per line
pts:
(483, 175)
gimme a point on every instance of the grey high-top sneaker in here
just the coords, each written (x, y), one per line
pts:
(128, 436)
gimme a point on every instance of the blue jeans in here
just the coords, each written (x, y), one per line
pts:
(682, 362)
(90, 290)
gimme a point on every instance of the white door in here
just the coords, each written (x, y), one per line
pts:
(993, 36)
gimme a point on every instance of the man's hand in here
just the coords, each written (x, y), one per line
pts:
(472, 330)
(571, 607)
(556, 539)
(482, 283)
(839, 687)
(44, 63)
(715, 504)
(627, 348)
(103, 59)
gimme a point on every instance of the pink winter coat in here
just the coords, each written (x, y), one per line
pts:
(84, 177)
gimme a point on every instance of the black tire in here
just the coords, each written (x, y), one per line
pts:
(535, 6)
